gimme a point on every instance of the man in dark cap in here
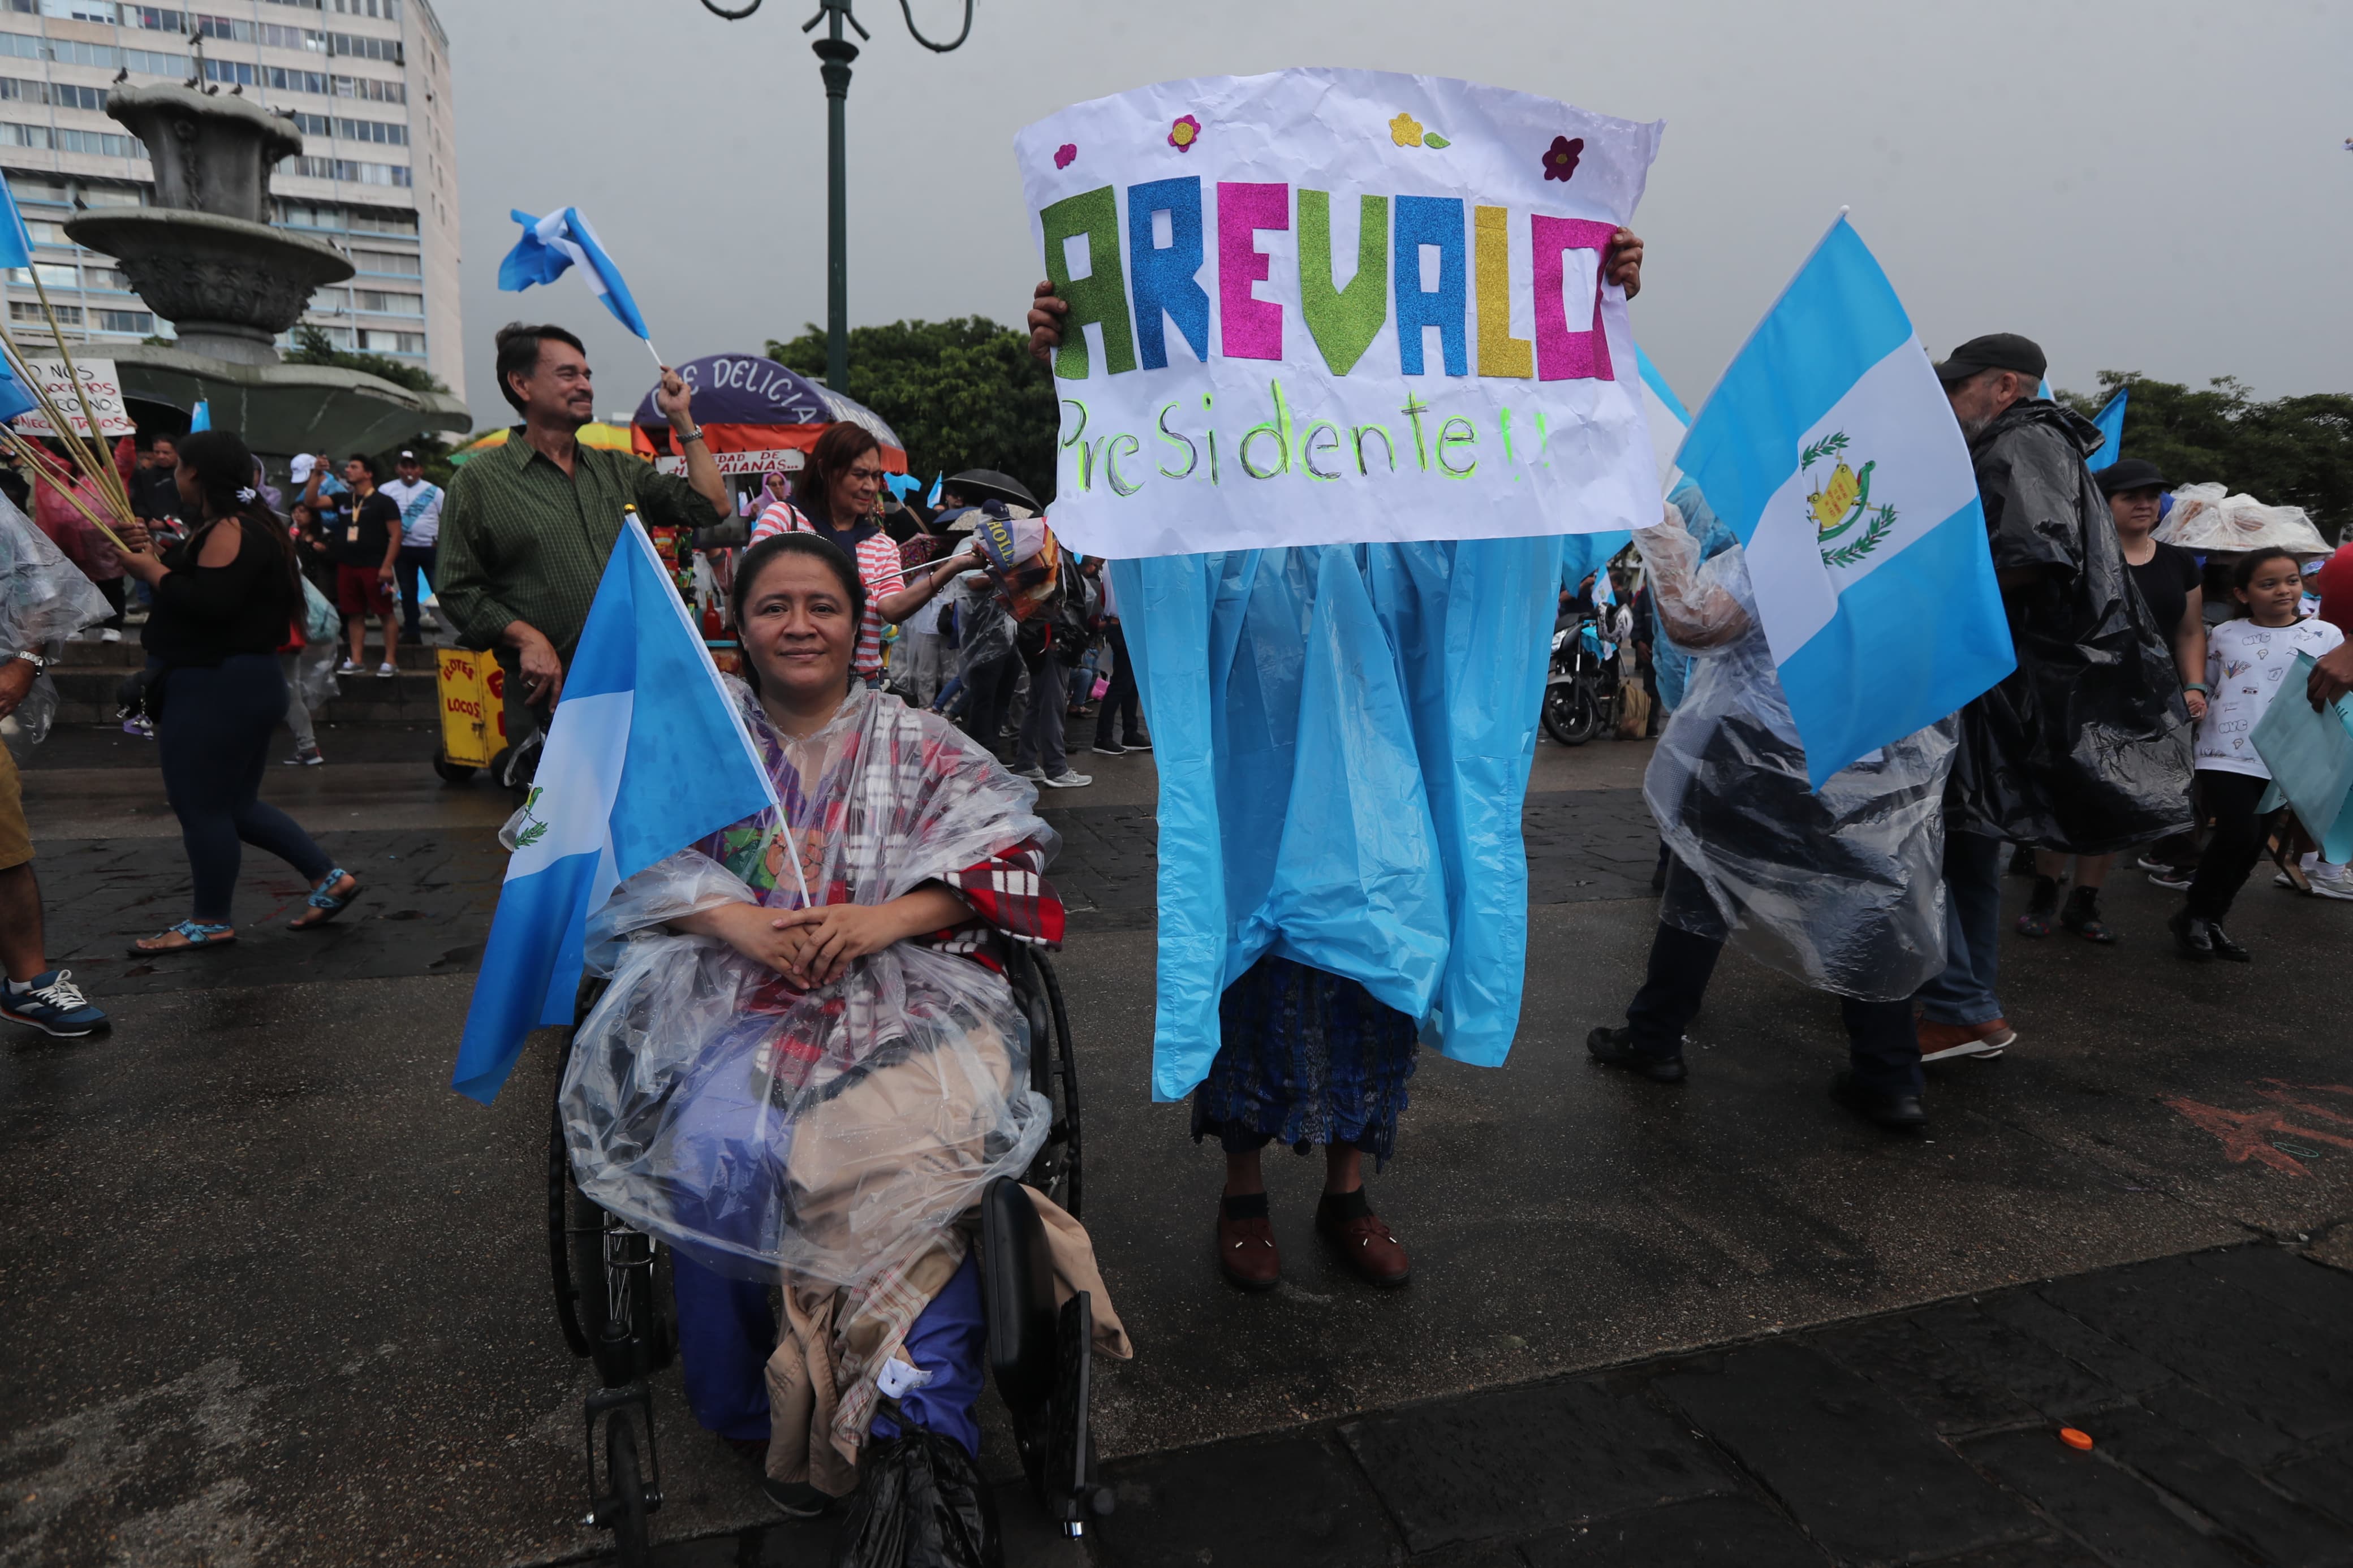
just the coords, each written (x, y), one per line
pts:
(2084, 747)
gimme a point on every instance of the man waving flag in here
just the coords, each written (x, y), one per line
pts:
(1830, 449)
(621, 784)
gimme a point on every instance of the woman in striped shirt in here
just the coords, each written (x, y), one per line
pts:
(837, 493)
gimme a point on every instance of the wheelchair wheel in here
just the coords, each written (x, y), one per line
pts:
(600, 1264)
(625, 1477)
(1066, 1070)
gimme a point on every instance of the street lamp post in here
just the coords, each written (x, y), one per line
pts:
(834, 53)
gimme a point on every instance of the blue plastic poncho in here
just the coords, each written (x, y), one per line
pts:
(1342, 734)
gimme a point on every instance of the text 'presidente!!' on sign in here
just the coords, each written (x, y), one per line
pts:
(1332, 306)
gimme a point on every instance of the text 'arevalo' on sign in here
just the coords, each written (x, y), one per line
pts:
(1333, 306)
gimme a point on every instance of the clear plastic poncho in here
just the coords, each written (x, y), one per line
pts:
(44, 598)
(830, 1133)
(1842, 887)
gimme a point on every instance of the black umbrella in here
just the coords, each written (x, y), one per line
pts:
(978, 484)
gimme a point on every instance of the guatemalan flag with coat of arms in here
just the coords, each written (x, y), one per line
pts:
(645, 754)
(1830, 449)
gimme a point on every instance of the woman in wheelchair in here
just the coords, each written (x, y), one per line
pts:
(808, 1063)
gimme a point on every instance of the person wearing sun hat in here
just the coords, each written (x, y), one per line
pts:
(2084, 748)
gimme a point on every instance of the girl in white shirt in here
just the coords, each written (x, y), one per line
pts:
(2245, 661)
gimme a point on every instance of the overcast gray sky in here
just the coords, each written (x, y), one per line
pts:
(2157, 185)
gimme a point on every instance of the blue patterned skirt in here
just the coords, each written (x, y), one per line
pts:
(1306, 1058)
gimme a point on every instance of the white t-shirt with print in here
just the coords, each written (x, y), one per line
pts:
(420, 509)
(2244, 666)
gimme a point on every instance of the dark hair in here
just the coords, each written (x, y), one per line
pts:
(519, 353)
(224, 466)
(842, 444)
(757, 560)
(2243, 575)
(373, 465)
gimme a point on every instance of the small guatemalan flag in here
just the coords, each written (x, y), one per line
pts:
(621, 784)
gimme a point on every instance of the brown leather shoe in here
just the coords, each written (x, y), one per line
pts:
(1364, 1240)
(1246, 1252)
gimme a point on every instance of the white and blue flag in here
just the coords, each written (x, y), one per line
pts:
(1830, 451)
(551, 246)
(621, 784)
(2111, 421)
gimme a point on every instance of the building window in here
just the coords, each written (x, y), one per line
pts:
(80, 10)
(63, 95)
(383, 10)
(399, 263)
(110, 278)
(346, 170)
(382, 220)
(30, 310)
(32, 188)
(97, 195)
(339, 337)
(376, 130)
(383, 343)
(331, 301)
(66, 51)
(383, 304)
(155, 18)
(98, 141)
(359, 46)
(140, 321)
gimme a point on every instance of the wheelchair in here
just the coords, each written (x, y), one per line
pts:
(612, 1300)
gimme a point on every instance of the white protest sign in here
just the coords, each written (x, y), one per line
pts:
(101, 395)
(1332, 306)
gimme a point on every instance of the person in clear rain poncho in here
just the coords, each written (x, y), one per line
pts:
(44, 599)
(1839, 887)
(808, 1064)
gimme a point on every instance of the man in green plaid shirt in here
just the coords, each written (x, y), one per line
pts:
(528, 525)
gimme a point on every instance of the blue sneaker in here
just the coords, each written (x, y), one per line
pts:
(52, 1004)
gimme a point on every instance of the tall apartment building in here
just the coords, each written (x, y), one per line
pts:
(368, 84)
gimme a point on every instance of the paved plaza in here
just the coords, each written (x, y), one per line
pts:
(279, 1296)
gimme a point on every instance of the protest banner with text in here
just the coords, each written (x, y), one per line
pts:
(1334, 306)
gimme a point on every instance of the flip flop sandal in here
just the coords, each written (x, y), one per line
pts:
(196, 935)
(325, 903)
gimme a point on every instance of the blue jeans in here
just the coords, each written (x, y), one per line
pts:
(1963, 993)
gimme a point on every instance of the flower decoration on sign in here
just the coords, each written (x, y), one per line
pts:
(1560, 158)
(1063, 154)
(1183, 132)
(1408, 131)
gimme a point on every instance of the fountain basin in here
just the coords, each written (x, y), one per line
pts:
(227, 287)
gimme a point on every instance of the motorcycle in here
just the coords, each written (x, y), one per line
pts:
(1581, 686)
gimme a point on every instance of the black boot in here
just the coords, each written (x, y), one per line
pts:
(2082, 916)
(1615, 1048)
(2224, 948)
(2190, 935)
(2042, 908)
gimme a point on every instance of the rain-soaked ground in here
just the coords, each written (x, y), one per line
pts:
(279, 1297)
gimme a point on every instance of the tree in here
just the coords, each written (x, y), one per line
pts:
(312, 346)
(2292, 451)
(962, 394)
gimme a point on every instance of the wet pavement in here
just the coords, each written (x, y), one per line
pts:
(287, 1299)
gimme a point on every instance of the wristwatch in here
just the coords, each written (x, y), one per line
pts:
(686, 436)
(35, 659)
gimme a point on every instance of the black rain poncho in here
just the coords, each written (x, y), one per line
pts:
(2084, 747)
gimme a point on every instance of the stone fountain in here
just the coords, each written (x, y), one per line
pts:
(206, 257)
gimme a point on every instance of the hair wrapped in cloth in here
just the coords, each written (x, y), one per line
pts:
(835, 1133)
